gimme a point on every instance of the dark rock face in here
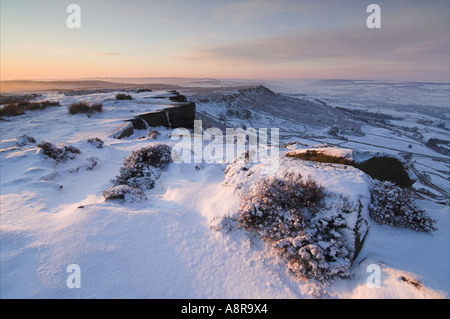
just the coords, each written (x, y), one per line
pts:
(360, 231)
(386, 169)
(181, 114)
(153, 119)
(125, 131)
(178, 98)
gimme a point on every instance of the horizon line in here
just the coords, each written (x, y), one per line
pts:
(105, 78)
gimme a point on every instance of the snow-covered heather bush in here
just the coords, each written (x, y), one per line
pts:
(124, 193)
(93, 161)
(157, 155)
(279, 204)
(143, 167)
(295, 216)
(59, 154)
(152, 134)
(25, 140)
(323, 247)
(97, 142)
(394, 206)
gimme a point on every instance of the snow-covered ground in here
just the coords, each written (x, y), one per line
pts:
(54, 215)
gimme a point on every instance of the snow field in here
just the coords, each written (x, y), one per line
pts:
(164, 247)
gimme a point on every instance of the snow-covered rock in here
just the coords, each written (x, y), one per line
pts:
(318, 238)
(379, 165)
(124, 131)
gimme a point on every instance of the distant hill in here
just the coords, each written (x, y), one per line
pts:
(20, 86)
(156, 83)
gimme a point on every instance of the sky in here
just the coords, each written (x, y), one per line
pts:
(250, 39)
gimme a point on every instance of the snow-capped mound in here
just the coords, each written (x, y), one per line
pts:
(314, 215)
(19, 141)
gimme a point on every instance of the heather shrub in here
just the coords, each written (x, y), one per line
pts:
(279, 203)
(97, 142)
(394, 206)
(97, 107)
(305, 224)
(143, 90)
(19, 108)
(93, 161)
(144, 178)
(143, 167)
(121, 96)
(31, 106)
(11, 110)
(25, 140)
(124, 193)
(152, 134)
(86, 108)
(80, 107)
(49, 103)
(158, 155)
(59, 154)
(34, 106)
(321, 248)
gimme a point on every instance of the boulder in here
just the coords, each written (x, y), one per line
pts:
(378, 165)
(344, 213)
(176, 113)
(125, 131)
(181, 115)
(178, 98)
(387, 168)
(156, 118)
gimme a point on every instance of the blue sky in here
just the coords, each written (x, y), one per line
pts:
(226, 39)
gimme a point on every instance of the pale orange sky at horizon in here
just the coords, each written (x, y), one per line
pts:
(253, 39)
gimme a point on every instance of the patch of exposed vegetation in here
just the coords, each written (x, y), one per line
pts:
(97, 142)
(122, 96)
(19, 108)
(86, 108)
